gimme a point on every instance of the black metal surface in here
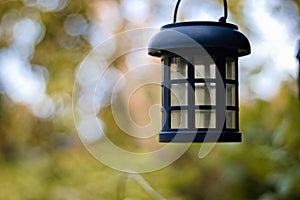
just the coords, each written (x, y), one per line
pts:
(175, 11)
(209, 35)
(191, 95)
(199, 136)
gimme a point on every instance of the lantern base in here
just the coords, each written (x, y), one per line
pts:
(199, 136)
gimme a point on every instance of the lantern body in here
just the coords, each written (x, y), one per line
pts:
(200, 81)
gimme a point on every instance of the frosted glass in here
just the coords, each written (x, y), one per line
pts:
(230, 68)
(178, 68)
(205, 94)
(230, 119)
(205, 119)
(204, 67)
(179, 94)
(179, 119)
(230, 95)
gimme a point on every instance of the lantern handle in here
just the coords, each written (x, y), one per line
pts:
(222, 19)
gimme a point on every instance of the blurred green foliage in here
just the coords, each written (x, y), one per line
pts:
(43, 158)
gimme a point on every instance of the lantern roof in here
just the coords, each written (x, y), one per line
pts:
(209, 35)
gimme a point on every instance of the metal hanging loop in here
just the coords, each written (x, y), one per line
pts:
(222, 19)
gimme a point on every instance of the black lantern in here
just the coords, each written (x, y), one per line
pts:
(200, 79)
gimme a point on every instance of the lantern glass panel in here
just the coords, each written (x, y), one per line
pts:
(179, 95)
(230, 95)
(230, 119)
(178, 68)
(205, 67)
(205, 119)
(230, 68)
(205, 93)
(179, 119)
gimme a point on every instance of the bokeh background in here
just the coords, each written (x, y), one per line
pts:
(43, 42)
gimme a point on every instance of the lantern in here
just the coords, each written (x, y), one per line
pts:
(200, 79)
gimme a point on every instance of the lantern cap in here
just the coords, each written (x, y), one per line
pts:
(207, 34)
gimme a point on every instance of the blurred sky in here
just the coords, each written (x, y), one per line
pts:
(274, 33)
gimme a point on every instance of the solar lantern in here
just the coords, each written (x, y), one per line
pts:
(200, 94)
